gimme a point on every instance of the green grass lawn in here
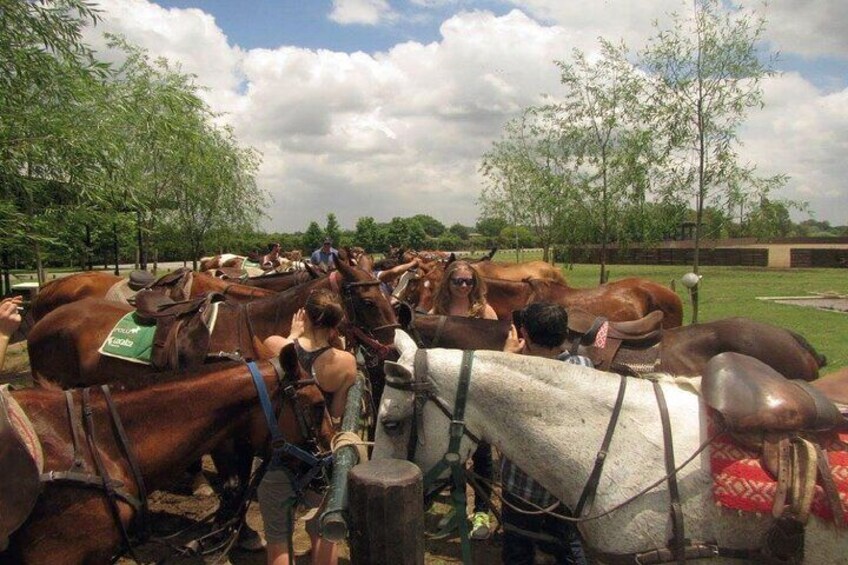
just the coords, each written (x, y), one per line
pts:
(733, 291)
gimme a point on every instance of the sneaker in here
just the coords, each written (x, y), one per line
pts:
(480, 526)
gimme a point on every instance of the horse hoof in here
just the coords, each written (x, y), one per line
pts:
(250, 540)
(201, 487)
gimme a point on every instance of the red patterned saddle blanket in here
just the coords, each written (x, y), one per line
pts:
(741, 482)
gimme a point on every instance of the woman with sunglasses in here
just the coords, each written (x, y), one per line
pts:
(462, 292)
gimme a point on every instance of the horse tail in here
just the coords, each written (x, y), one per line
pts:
(821, 360)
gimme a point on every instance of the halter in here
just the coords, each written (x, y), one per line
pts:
(366, 338)
(280, 447)
(424, 390)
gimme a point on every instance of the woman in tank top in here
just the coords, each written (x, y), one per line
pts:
(318, 347)
(462, 292)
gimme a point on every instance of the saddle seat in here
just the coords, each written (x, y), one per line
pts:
(22, 463)
(636, 336)
(182, 333)
(644, 329)
(751, 396)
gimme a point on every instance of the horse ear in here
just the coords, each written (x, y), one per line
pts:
(491, 254)
(405, 315)
(288, 361)
(313, 272)
(451, 258)
(396, 371)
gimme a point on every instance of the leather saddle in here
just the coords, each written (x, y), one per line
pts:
(20, 484)
(182, 335)
(636, 334)
(780, 417)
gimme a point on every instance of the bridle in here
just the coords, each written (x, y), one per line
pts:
(364, 336)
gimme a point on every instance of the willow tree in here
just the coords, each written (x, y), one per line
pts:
(600, 113)
(50, 85)
(707, 72)
(528, 179)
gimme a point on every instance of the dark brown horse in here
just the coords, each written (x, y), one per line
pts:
(682, 351)
(63, 346)
(168, 424)
(627, 299)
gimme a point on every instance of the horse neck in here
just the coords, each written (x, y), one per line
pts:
(550, 418)
(272, 316)
(171, 424)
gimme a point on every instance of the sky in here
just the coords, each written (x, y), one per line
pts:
(384, 108)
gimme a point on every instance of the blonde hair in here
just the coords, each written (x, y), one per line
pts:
(476, 299)
(324, 308)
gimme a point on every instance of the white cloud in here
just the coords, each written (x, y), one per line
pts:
(363, 12)
(809, 27)
(401, 132)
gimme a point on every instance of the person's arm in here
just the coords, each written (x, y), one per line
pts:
(10, 320)
(391, 274)
(276, 343)
(489, 313)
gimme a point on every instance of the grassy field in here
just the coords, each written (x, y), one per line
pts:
(733, 291)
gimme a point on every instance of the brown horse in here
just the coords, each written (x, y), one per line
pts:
(179, 285)
(682, 351)
(627, 299)
(63, 346)
(71, 521)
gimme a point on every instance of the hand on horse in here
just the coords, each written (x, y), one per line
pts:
(297, 324)
(514, 343)
(10, 317)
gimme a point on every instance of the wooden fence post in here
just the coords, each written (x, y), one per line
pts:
(386, 507)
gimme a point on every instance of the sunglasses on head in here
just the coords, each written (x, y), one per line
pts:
(458, 281)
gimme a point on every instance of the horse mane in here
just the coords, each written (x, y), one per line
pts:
(821, 360)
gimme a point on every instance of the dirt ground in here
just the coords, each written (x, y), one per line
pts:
(175, 509)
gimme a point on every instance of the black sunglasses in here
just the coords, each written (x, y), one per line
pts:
(462, 282)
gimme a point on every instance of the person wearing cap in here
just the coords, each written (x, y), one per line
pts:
(324, 255)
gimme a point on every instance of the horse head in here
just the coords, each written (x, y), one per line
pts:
(366, 307)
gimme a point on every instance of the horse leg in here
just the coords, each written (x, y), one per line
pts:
(234, 462)
(199, 483)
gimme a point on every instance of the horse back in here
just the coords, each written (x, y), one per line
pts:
(70, 289)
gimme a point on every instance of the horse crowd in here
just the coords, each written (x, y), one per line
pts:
(104, 426)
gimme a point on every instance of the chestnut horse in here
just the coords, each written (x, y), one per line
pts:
(179, 285)
(627, 299)
(63, 346)
(167, 424)
(683, 351)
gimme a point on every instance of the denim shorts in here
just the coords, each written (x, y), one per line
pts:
(277, 501)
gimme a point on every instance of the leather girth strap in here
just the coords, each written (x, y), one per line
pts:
(678, 540)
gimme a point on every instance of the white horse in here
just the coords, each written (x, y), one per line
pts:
(550, 417)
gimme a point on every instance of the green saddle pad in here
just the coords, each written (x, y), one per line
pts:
(129, 340)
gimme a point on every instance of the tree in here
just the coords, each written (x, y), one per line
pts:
(460, 231)
(600, 114)
(528, 181)
(432, 227)
(707, 72)
(406, 233)
(333, 230)
(367, 234)
(490, 227)
(313, 237)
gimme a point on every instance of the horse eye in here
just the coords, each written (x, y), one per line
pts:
(392, 427)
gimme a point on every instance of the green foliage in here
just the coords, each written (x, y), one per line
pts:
(707, 73)
(490, 227)
(312, 238)
(367, 234)
(333, 230)
(432, 227)
(460, 231)
(405, 232)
